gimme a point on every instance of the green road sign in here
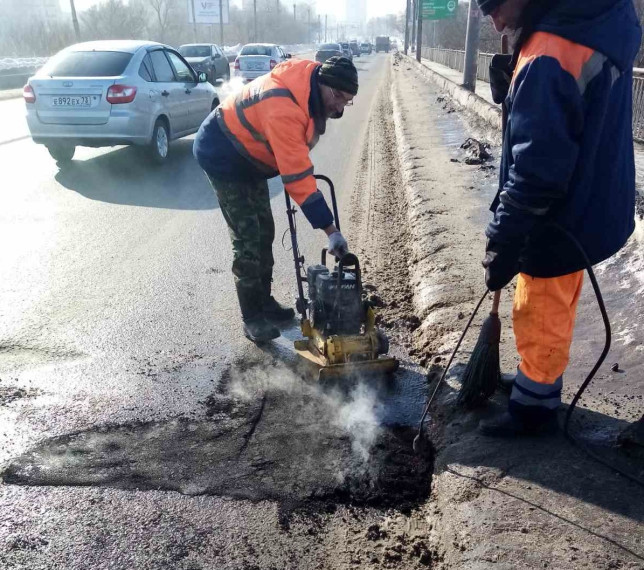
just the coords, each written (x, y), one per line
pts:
(438, 9)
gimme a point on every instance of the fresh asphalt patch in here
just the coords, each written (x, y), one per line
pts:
(268, 434)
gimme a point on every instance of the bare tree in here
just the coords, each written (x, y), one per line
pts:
(164, 13)
(113, 19)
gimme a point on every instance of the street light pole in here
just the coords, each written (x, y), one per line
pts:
(407, 26)
(419, 31)
(194, 20)
(221, 23)
(308, 32)
(254, 20)
(472, 47)
(75, 20)
(294, 13)
(326, 23)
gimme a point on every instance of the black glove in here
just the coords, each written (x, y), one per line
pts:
(501, 264)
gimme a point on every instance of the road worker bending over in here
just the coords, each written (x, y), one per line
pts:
(267, 130)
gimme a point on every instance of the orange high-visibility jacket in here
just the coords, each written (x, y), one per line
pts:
(269, 124)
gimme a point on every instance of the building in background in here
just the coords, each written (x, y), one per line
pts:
(19, 11)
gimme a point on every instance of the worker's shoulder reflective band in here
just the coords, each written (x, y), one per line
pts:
(529, 393)
(506, 199)
(287, 179)
(254, 98)
(257, 97)
(591, 69)
(239, 147)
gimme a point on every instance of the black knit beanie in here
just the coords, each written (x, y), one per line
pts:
(339, 73)
(488, 6)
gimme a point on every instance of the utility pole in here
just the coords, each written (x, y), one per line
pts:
(308, 33)
(221, 24)
(326, 23)
(254, 20)
(413, 22)
(294, 13)
(419, 31)
(278, 6)
(194, 20)
(75, 20)
(407, 26)
(472, 47)
(319, 29)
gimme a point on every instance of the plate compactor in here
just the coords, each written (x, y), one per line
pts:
(338, 322)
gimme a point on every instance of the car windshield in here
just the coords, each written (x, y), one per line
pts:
(87, 64)
(195, 51)
(345, 46)
(329, 47)
(256, 50)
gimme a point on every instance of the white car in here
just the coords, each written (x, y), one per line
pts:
(255, 60)
(109, 93)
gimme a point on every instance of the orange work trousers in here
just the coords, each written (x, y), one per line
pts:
(544, 319)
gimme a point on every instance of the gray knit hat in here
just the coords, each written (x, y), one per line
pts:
(339, 73)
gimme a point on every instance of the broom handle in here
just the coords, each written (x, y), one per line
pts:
(495, 302)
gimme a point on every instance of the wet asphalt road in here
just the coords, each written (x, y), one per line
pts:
(119, 323)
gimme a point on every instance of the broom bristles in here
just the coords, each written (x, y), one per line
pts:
(483, 370)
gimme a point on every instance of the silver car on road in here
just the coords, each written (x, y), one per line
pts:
(255, 60)
(109, 93)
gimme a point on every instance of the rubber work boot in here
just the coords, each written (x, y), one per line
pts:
(506, 425)
(274, 311)
(258, 329)
(633, 434)
(506, 381)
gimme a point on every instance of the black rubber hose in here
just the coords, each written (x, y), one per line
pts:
(602, 357)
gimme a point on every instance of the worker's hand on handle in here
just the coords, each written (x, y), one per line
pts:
(501, 264)
(337, 244)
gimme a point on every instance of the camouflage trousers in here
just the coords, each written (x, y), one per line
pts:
(246, 207)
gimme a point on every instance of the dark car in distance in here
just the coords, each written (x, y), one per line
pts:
(346, 50)
(355, 48)
(365, 47)
(325, 51)
(207, 58)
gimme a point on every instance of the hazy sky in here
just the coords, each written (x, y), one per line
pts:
(336, 7)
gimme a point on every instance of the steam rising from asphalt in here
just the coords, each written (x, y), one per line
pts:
(231, 87)
(355, 413)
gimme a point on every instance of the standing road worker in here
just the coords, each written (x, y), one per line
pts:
(567, 163)
(267, 130)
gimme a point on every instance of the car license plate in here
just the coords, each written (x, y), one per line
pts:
(74, 101)
(257, 66)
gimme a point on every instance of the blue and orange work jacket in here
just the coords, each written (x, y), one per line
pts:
(568, 148)
(267, 130)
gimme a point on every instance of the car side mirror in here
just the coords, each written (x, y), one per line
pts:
(217, 56)
(289, 56)
(203, 78)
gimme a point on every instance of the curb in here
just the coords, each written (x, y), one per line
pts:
(490, 113)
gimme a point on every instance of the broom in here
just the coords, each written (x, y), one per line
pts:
(483, 371)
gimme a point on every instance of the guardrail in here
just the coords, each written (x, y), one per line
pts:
(455, 59)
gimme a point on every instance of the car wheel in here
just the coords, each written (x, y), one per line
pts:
(160, 143)
(62, 153)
